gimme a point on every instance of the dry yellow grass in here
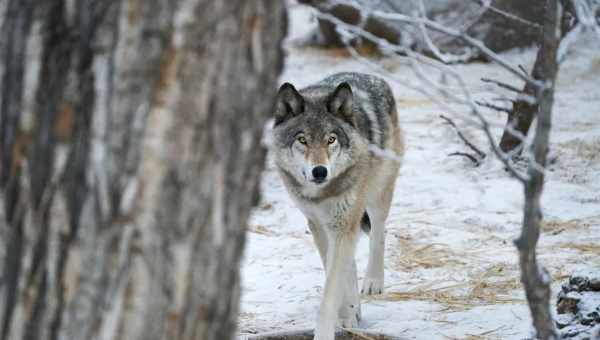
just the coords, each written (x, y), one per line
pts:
(492, 286)
(486, 335)
(260, 229)
(588, 150)
(358, 335)
(433, 255)
(555, 227)
(593, 248)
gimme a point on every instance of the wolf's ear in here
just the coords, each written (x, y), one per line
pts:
(289, 103)
(340, 103)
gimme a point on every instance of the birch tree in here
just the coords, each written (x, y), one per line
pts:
(130, 161)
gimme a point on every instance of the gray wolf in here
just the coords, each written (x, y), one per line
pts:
(325, 139)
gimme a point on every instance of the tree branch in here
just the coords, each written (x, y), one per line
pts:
(501, 84)
(493, 107)
(468, 39)
(480, 153)
(469, 156)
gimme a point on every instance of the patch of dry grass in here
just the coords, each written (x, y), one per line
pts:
(486, 335)
(492, 286)
(588, 150)
(592, 248)
(413, 255)
(555, 227)
(260, 229)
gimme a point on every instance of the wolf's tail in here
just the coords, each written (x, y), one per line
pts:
(365, 223)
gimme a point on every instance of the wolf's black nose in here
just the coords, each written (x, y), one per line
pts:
(319, 172)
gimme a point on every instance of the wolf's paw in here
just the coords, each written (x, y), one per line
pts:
(350, 318)
(324, 337)
(351, 322)
(372, 286)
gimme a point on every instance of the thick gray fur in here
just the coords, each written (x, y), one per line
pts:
(373, 101)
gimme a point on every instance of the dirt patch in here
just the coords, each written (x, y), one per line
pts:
(346, 334)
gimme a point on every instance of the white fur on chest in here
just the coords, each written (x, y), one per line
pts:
(327, 212)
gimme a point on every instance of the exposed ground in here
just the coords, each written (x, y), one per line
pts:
(451, 267)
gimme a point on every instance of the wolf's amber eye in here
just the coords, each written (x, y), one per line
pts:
(331, 140)
(302, 140)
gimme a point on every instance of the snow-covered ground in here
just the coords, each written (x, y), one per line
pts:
(451, 267)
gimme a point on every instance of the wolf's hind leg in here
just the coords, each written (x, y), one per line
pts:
(378, 207)
(373, 281)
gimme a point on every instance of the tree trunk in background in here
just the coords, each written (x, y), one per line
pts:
(354, 16)
(130, 155)
(512, 23)
(524, 110)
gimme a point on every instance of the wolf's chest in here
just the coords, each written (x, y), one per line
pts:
(327, 212)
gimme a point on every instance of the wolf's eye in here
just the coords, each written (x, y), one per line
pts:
(331, 140)
(302, 140)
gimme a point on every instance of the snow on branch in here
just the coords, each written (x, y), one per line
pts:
(487, 4)
(468, 143)
(457, 34)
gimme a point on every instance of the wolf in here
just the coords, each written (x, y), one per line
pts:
(328, 140)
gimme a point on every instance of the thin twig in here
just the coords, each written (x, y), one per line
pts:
(502, 85)
(446, 58)
(502, 156)
(463, 138)
(466, 38)
(508, 15)
(493, 107)
(469, 156)
(522, 68)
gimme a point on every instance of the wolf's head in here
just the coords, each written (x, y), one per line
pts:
(315, 135)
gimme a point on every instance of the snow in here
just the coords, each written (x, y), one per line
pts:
(451, 224)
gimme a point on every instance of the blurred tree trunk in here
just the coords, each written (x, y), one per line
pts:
(130, 157)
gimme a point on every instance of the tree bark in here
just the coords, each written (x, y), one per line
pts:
(535, 279)
(524, 109)
(131, 157)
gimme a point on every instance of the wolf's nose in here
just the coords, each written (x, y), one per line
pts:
(319, 172)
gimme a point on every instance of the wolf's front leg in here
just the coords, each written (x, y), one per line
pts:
(350, 313)
(339, 265)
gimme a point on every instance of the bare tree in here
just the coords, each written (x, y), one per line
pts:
(130, 162)
(537, 280)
